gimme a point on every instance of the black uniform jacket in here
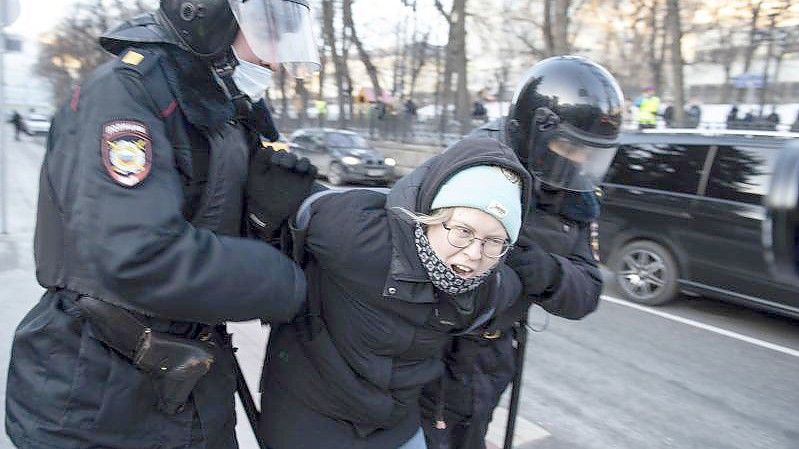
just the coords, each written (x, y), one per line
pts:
(128, 240)
(355, 383)
(560, 223)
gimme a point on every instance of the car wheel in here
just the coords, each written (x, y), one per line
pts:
(335, 174)
(646, 273)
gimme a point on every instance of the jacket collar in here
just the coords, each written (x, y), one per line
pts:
(196, 89)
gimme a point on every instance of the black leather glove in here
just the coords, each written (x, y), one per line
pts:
(539, 272)
(277, 184)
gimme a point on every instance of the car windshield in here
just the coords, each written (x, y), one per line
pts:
(345, 140)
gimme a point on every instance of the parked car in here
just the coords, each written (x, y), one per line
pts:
(37, 123)
(342, 156)
(683, 211)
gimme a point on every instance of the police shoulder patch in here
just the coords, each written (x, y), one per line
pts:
(127, 151)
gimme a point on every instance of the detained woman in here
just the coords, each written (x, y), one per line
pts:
(391, 279)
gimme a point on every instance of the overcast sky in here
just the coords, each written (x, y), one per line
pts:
(372, 17)
(37, 16)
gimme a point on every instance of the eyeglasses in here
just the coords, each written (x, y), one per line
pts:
(461, 237)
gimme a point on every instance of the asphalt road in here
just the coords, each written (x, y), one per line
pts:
(693, 374)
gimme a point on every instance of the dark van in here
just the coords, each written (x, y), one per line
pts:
(683, 211)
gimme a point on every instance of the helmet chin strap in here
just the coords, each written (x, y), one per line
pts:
(543, 125)
(223, 66)
(255, 116)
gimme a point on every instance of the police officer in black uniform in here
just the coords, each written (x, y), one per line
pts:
(563, 124)
(139, 236)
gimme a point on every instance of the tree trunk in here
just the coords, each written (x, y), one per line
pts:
(418, 62)
(655, 59)
(284, 99)
(437, 100)
(675, 34)
(462, 103)
(367, 62)
(345, 56)
(549, 39)
(749, 52)
(328, 15)
(774, 83)
(302, 94)
(560, 29)
(444, 94)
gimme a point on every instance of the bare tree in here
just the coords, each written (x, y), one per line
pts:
(345, 57)
(455, 63)
(414, 52)
(284, 99)
(329, 32)
(725, 54)
(73, 51)
(556, 27)
(371, 70)
(674, 26)
(302, 95)
(559, 30)
(419, 57)
(753, 9)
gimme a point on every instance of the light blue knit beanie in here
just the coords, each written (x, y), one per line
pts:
(494, 190)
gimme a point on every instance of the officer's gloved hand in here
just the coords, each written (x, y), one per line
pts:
(277, 184)
(539, 272)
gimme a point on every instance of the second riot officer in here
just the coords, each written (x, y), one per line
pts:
(139, 236)
(563, 124)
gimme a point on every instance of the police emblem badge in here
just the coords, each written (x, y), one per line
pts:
(127, 151)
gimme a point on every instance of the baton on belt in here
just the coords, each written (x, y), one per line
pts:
(253, 415)
(516, 390)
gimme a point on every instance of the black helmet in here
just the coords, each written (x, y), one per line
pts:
(205, 28)
(564, 122)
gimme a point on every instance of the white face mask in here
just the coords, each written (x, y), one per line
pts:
(252, 79)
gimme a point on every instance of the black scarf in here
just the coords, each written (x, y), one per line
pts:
(442, 276)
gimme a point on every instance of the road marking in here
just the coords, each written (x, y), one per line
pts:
(707, 327)
(526, 431)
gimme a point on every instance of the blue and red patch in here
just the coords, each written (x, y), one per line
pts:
(127, 151)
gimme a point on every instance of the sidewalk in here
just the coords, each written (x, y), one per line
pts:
(20, 291)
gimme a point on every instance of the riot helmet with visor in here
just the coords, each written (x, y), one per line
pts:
(277, 31)
(205, 28)
(564, 122)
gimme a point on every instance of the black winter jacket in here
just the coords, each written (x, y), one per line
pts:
(480, 369)
(355, 381)
(145, 247)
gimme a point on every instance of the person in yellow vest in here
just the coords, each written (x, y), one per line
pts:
(648, 109)
(321, 111)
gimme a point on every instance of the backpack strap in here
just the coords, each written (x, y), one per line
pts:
(299, 225)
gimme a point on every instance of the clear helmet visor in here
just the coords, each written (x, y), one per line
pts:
(279, 32)
(571, 165)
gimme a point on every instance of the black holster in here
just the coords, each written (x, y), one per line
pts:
(175, 364)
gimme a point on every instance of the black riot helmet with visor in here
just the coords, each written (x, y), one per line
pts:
(278, 31)
(564, 122)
